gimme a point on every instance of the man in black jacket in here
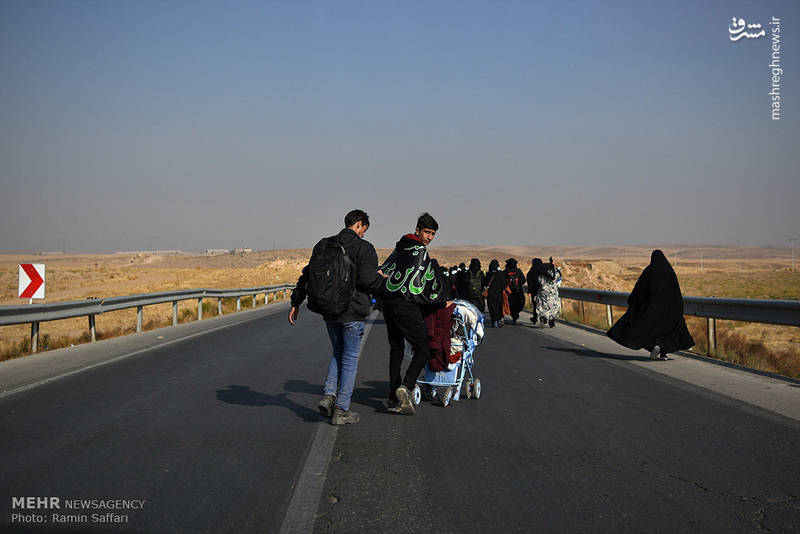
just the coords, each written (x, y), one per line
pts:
(413, 285)
(345, 330)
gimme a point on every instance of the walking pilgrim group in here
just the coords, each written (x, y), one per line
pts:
(503, 290)
(343, 276)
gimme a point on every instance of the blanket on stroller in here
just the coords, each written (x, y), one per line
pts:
(439, 322)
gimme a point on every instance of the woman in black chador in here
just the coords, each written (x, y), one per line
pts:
(515, 280)
(496, 282)
(654, 319)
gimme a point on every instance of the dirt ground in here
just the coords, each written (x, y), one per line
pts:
(739, 272)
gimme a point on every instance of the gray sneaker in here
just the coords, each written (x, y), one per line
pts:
(344, 417)
(404, 397)
(393, 407)
(655, 353)
(326, 405)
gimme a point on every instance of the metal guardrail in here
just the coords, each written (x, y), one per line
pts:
(37, 313)
(780, 312)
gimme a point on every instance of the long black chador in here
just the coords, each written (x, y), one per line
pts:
(655, 311)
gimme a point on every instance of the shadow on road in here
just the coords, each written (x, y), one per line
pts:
(303, 386)
(244, 396)
(373, 395)
(592, 354)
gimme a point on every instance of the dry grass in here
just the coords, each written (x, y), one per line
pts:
(760, 273)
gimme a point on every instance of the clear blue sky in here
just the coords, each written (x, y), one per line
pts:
(193, 125)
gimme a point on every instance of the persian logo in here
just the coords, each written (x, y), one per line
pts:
(737, 31)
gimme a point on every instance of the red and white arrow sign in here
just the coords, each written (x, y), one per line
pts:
(31, 280)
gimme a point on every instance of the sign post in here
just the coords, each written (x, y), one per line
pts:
(31, 286)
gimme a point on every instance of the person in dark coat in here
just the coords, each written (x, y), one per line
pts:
(444, 274)
(411, 288)
(453, 280)
(474, 283)
(532, 278)
(462, 281)
(494, 292)
(514, 282)
(347, 329)
(654, 319)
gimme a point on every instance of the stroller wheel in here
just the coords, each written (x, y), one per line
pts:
(427, 392)
(468, 390)
(476, 389)
(416, 395)
(448, 394)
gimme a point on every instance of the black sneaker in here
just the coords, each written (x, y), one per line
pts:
(326, 405)
(343, 417)
(404, 397)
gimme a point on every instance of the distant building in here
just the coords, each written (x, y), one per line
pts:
(242, 250)
(215, 251)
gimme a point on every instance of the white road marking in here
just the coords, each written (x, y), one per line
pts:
(302, 508)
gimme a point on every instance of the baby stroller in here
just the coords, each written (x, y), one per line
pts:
(466, 333)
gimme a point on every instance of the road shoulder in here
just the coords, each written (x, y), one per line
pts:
(31, 371)
(775, 395)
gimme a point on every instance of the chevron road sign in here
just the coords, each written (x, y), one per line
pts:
(31, 280)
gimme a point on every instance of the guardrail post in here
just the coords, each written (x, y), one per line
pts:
(174, 313)
(139, 318)
(254, 300)
(609, 315)
(238, 304)
(200, 309)
(35, 336)
(712, 335)
(583, 314)
(92, 331)
(561, 311)
(284, 294)
(219, 306)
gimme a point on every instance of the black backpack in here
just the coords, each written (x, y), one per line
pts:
(330, 279)
(514, 282)
(474, 284)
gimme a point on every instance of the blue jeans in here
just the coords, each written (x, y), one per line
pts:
(346, 341)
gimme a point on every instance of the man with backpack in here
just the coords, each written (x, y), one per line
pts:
(338, 280)
(515, 281)
(474, 283)
(413, 286)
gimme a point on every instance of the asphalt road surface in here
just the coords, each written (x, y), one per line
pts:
(220, 433)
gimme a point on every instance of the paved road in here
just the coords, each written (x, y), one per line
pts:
(219, 433)
(566, 440)
(212, 432)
